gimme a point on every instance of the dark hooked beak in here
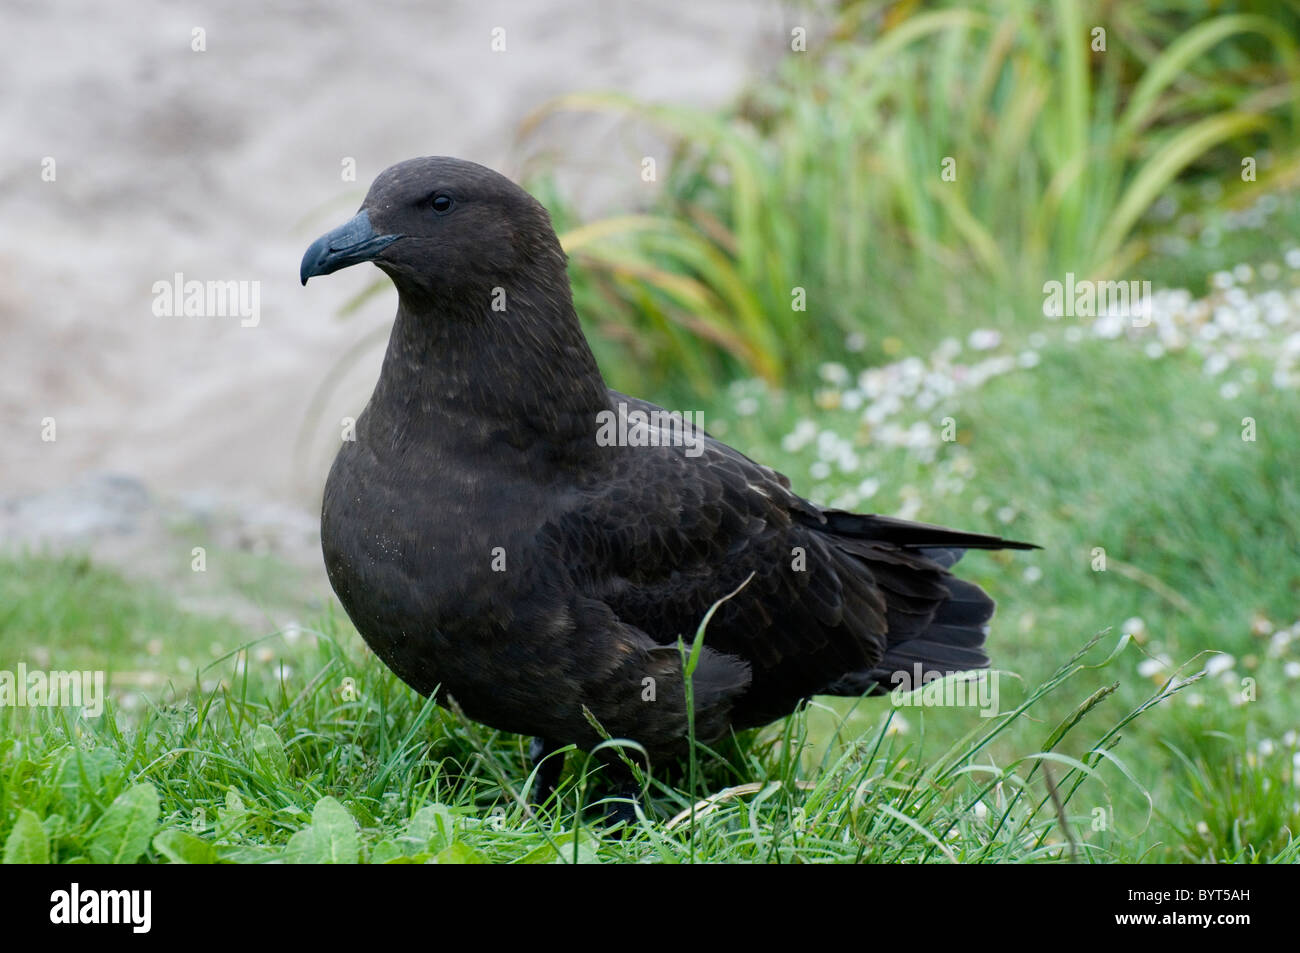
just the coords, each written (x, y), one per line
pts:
(352, 242)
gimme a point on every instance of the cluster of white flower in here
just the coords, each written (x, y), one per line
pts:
(1230, 324)
(1289, 744)
(1220, 667)
(1279, 647)
(1176, 242)
(879, 396)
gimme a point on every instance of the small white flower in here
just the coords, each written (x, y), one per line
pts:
(1218, 664)
(948, 349)
(898, 725)
(1156, 667)
(828, 444)
(1109, 326)
(910, 508)
(1228, 320)
(1133, 626)
(984, 339)
(919, 434)
(834, 373)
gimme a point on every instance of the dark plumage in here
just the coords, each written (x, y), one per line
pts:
(477, 453)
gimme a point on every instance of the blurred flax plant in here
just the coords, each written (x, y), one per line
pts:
(827, 176)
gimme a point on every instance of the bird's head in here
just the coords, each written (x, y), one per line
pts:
(439, 226)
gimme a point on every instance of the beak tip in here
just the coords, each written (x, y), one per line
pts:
(352, 242)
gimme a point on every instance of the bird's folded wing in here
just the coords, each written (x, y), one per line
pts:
(664, 535)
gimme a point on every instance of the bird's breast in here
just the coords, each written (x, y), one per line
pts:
(429, 558)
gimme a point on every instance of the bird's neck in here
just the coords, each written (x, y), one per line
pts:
(521, 377)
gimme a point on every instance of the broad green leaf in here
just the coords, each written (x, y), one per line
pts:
(541, 854)
(270, 751)
(245, 854)
(123, 833)
(336, 832)
(88, 771)
(459, 853)
(430, 828)
(27, 842)
(304, 848)
(231, 817)
(586, 853)
(182, 848)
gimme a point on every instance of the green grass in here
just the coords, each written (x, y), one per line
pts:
(343, 763)
(300, 746)
(72, 609)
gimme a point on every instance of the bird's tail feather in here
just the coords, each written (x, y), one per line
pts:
(910, 535)
(936, 624)
(948, 638)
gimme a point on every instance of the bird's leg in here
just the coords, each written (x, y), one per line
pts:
(620, 782)
(549, 766)
(620, 807)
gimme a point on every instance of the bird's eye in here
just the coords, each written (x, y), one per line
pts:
(442, 204)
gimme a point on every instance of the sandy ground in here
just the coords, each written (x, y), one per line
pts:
(224, 165)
